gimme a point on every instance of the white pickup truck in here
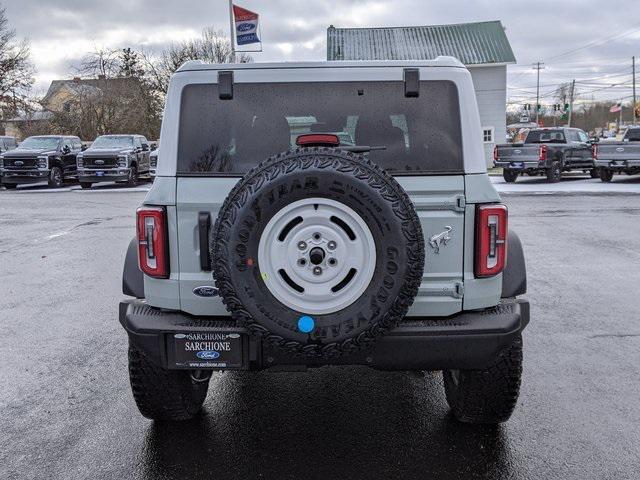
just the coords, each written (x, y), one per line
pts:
(314, 214)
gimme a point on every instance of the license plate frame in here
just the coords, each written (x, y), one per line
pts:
(99, 174)
(220, 350)
(517, 164)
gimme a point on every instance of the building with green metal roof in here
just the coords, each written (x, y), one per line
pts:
(483, 47)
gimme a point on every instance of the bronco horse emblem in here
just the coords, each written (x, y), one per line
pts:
(440, 239)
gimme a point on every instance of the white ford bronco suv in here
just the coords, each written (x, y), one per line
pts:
(314, 214)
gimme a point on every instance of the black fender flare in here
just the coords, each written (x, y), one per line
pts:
(514, 276)
(132, 276)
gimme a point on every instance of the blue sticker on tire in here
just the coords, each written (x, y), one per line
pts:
(306, 324)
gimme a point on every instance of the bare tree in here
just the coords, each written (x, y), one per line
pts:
(101, 62)
(16, 71)
(115, 96)
(563, 93)
(212, 47)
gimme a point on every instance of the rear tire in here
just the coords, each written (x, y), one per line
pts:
(164, 395)
(489, 395)
(509, 175)
(606, 175)
(55, 178)
(85, 185)
(554, 172)
(10, 186)
(594, 173)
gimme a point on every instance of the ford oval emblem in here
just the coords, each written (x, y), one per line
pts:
(99, 162)
(208, 355)
(620, 149)
(246, 27)
(18, 163)
(517, 151)
(205, 291)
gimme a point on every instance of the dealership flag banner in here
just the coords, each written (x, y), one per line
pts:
(246, 26)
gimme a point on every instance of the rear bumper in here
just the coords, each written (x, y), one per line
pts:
(469, 340)
(617, 163)
(518, 165)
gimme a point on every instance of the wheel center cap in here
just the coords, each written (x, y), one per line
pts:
(316, 255)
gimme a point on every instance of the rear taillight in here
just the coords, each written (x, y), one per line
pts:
(594, 151)
(495, 153)
(153, 251)
(542, 153)
(491, 239)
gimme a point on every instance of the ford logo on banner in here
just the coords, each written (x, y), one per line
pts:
(208, 355)
(246, 27)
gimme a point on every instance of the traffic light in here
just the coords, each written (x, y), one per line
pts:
(566, 107)
(527, 107)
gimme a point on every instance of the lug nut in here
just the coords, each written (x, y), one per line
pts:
(302, 245)
(317, 270)
(331, 245)
(302, 262)
(332, 261)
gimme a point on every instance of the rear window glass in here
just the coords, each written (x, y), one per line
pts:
(633, 135)
(545, 136)
(419, 135)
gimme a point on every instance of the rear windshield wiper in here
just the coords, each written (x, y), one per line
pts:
(362, 148)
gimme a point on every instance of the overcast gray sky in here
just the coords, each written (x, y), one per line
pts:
(62, 31)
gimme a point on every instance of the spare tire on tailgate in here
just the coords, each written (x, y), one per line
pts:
(318, 251)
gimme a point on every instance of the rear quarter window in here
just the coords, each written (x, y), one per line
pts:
(229, 137)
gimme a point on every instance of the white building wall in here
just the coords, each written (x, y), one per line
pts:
(491, 91)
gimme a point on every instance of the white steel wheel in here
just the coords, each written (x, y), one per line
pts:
(317, 256)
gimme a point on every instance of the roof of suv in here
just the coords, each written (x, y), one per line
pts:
(441, 61)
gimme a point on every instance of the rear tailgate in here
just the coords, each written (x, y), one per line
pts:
(618, 151)
(439, 202)
(518, 153)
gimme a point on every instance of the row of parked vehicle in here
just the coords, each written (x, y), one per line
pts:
(58, 159)
(552, 151)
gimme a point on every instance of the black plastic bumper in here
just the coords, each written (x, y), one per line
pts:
(469, 340)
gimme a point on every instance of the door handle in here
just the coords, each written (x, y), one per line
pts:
(204, 224)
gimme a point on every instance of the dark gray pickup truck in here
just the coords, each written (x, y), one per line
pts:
(619, 157)
(548, 152)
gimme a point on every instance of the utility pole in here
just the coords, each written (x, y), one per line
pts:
(538, 66)
(633, 69)
(232, 33)
(573, 87)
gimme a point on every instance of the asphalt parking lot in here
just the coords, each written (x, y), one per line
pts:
(67, 411)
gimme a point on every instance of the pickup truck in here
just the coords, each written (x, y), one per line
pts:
(114, 158)
(618, 157)
(312, 214)
(548, 152)
(48, 158)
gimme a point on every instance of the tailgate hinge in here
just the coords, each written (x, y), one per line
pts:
(461, 203)
(459, 292)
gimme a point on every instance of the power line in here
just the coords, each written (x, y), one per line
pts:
(598, 42)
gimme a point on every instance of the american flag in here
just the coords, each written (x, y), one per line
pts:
(616, 108)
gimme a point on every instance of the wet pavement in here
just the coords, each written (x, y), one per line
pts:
(67, 410)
